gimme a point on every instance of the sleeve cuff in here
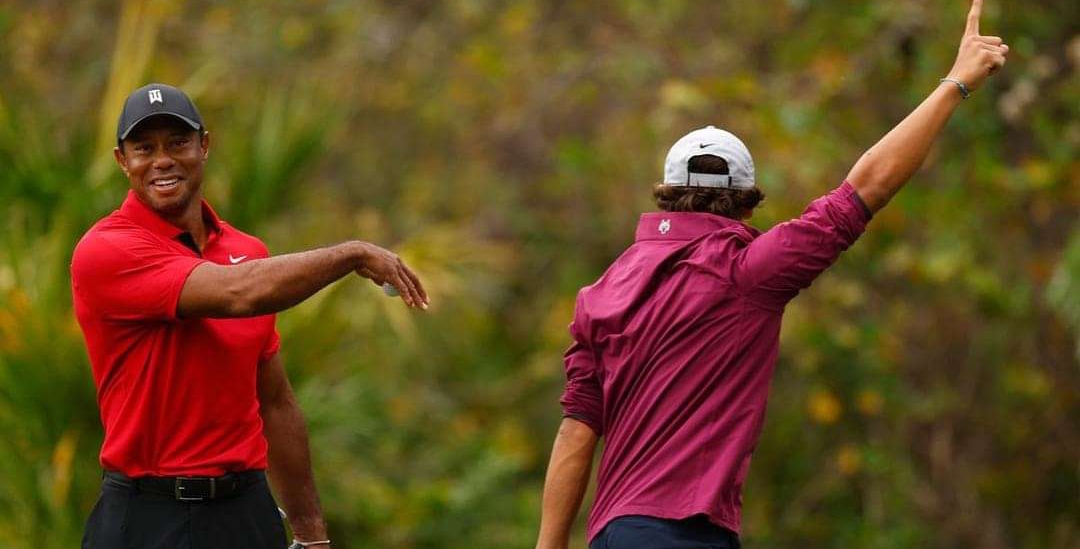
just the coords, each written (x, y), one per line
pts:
(174, 295)
(858, 200)
(587, 421)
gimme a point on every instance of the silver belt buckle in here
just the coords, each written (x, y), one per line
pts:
(180, 487)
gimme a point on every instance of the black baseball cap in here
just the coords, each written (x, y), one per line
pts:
(154, 99)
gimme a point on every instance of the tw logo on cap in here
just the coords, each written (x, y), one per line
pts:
(155, 97)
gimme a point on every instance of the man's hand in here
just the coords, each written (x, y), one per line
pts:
(979, 56)
(887, 166)
(383, 266)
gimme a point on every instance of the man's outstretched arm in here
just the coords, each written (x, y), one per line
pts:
(564, 487)
(270, 285)
(887, 166)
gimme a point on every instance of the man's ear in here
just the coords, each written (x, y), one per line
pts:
(204, 141)
(121, 160)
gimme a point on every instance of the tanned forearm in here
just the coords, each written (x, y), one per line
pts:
(273, 284)
(290, 471)
(887, 166)
(884, 169)
(289, 454)
(566, 481)
(264, 286)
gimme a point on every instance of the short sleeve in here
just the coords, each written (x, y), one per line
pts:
(273, 345)
(140, 280)
(583, 397)
(787, 258)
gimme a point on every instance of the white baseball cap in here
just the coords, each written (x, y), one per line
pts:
(709, 140)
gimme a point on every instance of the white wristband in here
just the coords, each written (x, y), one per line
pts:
(297, 544)
(964, 91)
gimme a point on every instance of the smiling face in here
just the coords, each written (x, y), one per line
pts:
(163, 160)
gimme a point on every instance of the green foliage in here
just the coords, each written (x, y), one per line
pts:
(1063, 292)
(926, 393)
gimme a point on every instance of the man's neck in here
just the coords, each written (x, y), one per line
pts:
(191, 221)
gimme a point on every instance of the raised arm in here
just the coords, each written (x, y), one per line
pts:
(265, 286)
(887, 166)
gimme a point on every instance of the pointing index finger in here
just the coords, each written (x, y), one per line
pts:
(973, 18)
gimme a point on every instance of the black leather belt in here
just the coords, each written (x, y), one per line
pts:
(190, 488)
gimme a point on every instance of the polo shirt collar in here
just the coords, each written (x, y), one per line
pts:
(687, 226)
(146, 217)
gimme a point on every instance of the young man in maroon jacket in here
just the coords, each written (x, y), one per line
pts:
(675, 344)
(177, 309)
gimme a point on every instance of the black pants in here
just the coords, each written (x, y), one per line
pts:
(126, 518)
(641, 532)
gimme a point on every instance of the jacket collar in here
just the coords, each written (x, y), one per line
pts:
(146, 217)
(687, 226)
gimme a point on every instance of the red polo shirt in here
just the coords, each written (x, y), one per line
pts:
(177, 395)
(674, 349)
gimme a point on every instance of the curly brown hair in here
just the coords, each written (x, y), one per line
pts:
(730, 203)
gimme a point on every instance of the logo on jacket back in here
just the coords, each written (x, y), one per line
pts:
(665, 226)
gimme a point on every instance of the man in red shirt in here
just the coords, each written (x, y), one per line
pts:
(177, 309)
(675, 344)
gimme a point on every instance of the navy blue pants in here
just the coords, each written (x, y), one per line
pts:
(127, 518)
(641, 532)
